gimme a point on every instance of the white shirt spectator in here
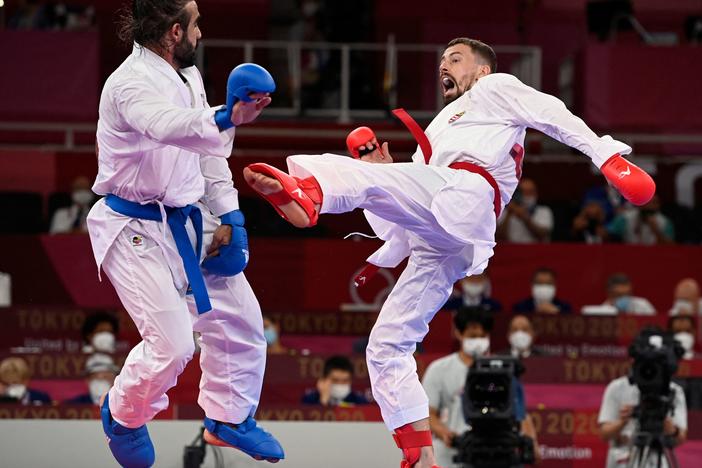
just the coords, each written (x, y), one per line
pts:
(518, 233)
(619, 393)
(69, 219)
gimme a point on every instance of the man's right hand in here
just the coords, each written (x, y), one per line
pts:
(324, 389)
(379, 155)
(625, 413)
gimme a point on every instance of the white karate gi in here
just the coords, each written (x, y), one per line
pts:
(442, 218)
(158, 143)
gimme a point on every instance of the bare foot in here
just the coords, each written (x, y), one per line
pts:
(266, 185)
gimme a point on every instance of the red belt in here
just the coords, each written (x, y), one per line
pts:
(474, 168)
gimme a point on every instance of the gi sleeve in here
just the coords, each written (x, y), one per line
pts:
(524, 106)
(163, 122)
(220, 195)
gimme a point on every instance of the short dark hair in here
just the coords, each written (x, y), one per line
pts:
(675, 318)
(617, 279)
(92, 321)
(341, 363)
(543, 270)
(473, 314)
(479, 48)
(148, 20)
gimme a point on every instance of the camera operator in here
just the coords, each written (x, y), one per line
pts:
(445, 378)
(618, 420)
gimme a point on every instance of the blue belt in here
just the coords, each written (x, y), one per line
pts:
(177, 217)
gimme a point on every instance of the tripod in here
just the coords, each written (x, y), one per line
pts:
(652, 451)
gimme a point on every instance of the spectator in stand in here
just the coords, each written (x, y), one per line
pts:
(686, 298)
(609, 198)
(520, 336)
(334, 387)
(543, 298)
(589, 226)
(15, 375)
(524, 221)
(445, 379)
(99, 333)
(471, 291)
(271, 330)
(645, 225)
(72, 218)
(683, 329)
(100, 372)
(620, 297)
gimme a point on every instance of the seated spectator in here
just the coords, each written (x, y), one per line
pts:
(683, 328)
(589, 226)
(609, 198)
(100, 372)
(72, 218)
(616, 419)
(520, 335)
(15, 375)
(621, 300)
(334, 387)
(445, 379)
(271, 330)
(645, 225)
(523, 220)
(473, 290)
(687, 298)
(99, 333)
(543, 298)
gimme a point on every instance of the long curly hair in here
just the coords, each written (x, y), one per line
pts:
(147, 21)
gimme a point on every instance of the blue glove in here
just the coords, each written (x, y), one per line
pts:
(232, 258)
(245, 79)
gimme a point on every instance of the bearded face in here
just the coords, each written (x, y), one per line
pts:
(184, 53)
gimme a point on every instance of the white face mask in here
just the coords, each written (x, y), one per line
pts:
(473, 290)
(104, 341)
(543, 292)
(520, 340)
(16, 391)
(687, 340)
(340, 391)
(476, 346)
(98, 387)
(82, 197)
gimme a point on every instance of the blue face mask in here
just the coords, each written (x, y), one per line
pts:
(622, 303)
(271, 335)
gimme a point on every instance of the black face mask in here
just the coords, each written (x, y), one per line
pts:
(184, 54)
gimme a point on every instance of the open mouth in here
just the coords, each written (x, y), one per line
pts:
(447, 84)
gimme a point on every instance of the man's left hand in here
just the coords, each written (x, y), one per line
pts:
(245, 112)
(669, 427)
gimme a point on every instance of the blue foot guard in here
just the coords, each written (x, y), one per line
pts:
(249, 438)
(132, 448)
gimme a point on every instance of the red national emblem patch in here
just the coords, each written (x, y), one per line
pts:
(456, 117)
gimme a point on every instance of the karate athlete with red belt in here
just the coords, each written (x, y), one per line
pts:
(170, 236)
(439, 210)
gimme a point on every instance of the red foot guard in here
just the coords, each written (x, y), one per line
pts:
(305, 192)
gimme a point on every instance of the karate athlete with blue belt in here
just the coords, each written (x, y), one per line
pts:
(170, 237)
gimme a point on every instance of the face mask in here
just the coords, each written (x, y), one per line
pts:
(82, 197)
(622, 303)
(543, 292)
(520, 340)
(340, 391)
(98, 387)
(16, 391)
(687, 340)
(271, 335)
(529, 201)
(683, 305)
(476, 346)
(473, 289)
(104, 341)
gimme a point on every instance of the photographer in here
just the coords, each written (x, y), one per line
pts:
(618, 419)
(445, 378)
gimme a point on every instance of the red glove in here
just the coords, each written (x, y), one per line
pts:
(357, 139)
(632, 182)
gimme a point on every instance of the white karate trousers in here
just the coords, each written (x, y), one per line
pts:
(449, 228)
(232, 345)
